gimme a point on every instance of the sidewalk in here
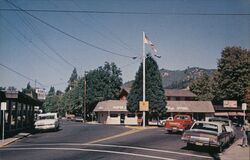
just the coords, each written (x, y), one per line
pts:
(235, 151)
(13, 139)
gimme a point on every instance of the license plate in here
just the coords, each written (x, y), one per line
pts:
(198, 144)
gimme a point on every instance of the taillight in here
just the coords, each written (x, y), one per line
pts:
(213, 139)
(186, 136)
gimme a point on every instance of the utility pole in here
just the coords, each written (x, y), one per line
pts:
(144, 79)
(84, 103)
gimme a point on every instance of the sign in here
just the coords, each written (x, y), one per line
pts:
(144, 105)
(3, 106)
(244, 106)
(230, 104)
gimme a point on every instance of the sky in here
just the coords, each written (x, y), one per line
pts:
(186, 33)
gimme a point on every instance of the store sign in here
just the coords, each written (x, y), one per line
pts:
(144, 105)
(230, 104)
(3, 106)
(244, 106)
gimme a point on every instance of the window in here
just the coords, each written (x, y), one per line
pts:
(206, 126)
(113, 115)
(131, 115)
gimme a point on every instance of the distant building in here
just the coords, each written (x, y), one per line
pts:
(199, 110)
(115, 112)
(41, 93)
(178, 101)
(179, 95)
(19, 114)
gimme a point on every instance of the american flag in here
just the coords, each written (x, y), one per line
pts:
(151, 45)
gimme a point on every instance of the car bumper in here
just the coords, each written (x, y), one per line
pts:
(202, 143)
(45, 127)
(174, 129)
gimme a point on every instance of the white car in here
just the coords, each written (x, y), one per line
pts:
(228, 124)
(47, 121)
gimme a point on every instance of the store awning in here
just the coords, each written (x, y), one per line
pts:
(221, 114)
(226, 114)
(190, 107)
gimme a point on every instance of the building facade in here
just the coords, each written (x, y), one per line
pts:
(19, 113)
(115, 112)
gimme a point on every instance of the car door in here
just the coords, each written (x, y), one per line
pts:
(225, 136)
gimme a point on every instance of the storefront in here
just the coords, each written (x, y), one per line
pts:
(19, 114)
(115, 112)
(199, 110)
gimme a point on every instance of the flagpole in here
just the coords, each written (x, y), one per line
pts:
(144, 77)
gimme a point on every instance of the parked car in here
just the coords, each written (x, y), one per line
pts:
(161, 123)
(47, 121)
(203, 133)
(179, 122)
(228, 124)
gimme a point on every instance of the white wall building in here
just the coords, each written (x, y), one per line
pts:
(115, 112)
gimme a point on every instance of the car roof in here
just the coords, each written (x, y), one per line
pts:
(47, 114)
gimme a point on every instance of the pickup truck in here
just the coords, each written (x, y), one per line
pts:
(179, 122)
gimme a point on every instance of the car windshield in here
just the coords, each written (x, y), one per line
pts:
(219, 120)
(46, 117)
(206, 126)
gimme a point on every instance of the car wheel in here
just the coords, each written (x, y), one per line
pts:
(190, 145)
(220, 149)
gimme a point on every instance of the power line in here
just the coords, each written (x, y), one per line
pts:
(20, 74)
(30, 41)
(67, 34)
(129, 13)
(122, 43)
(8, 29)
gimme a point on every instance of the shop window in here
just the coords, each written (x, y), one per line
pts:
(113, 115)
(131, 115)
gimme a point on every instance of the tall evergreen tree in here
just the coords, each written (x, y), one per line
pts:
(72, 80)
(50, 101)
(154, 89)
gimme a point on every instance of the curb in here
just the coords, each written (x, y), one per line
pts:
(140, 127)
(15, 138)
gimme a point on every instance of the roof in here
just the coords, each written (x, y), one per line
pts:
(111, 105)
(190, 106)
(179, 93)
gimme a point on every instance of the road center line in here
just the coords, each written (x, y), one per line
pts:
(115, 136)
(92, 150)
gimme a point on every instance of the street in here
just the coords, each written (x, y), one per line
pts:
(75, 140)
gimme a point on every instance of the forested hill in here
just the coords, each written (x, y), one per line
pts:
(179, 79)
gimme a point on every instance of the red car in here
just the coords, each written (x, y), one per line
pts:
(180, 122)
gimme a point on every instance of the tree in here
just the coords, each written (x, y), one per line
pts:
(154, 89)
(203, 88)
(72, 80)
(50, 102)
(2, 88)
(233, 74)
(103, 83)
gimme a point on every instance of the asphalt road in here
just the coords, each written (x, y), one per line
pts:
(76, 141)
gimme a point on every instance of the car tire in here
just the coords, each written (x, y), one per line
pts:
(220, 149)
(190, 145)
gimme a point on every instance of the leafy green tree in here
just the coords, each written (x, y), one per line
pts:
(203, 88)
(2, 88)
(233, 74)
(154, 89)
(50, 102)
(103, 83)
